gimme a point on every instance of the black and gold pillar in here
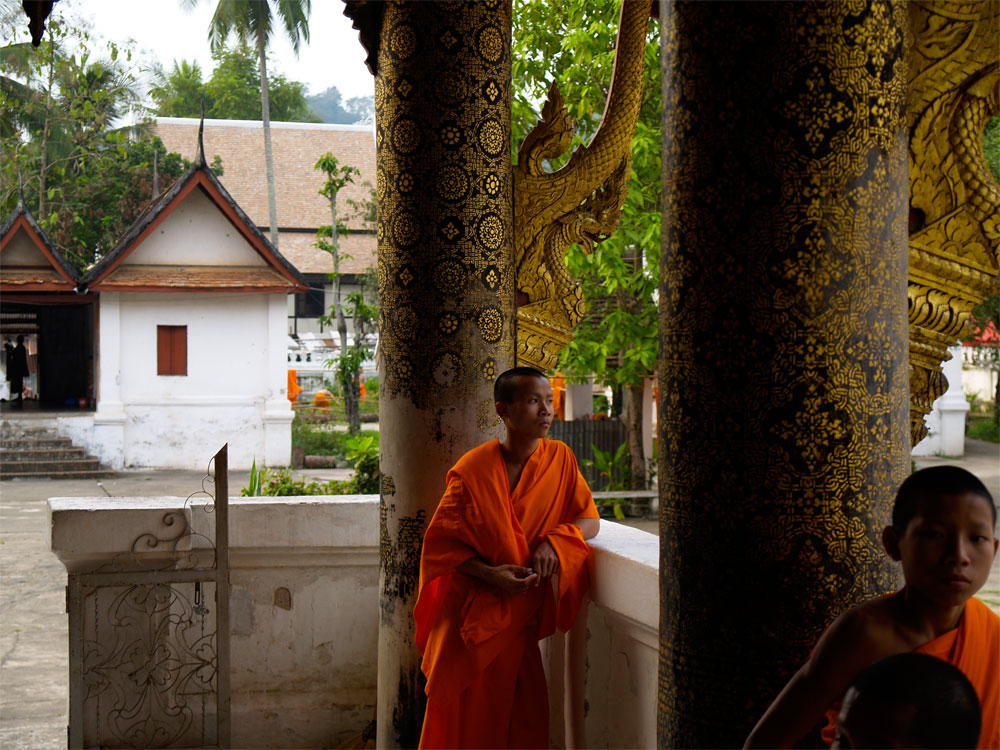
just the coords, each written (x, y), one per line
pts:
(446, 289)
(783, 368)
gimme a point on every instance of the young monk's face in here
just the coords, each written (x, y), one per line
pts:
(947, 548)
(530, 412)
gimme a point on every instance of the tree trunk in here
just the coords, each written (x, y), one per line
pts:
(265, 114)
(633, 428)
(43, 161)
(350, 382)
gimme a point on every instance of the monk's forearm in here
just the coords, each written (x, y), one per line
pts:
(477, 569)
(588, 526)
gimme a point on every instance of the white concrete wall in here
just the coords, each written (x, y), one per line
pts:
(234, 390)
(305, 675)
(620, 656)
(196, 233)
(303, 666)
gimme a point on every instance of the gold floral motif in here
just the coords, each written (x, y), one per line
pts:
(490, 44)
(449, 277)
(403, 41)
(453, 183)
(490, 322)
(448, 323)
(406, 135)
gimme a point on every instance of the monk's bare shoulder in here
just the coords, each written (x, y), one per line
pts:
(861, 635)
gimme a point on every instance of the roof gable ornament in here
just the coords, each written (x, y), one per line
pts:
(199, 157)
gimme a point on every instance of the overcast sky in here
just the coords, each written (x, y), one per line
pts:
(333, 57)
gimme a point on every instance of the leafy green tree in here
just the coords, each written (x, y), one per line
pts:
(231, 93)
(181, 92)
(84, 178)
(254, 20)
(573, 43)
(348, 362)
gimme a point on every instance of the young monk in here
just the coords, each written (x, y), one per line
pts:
(943, 534)
(504, 562)
(912, 701)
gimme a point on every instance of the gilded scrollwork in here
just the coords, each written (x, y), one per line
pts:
(580, 203)
(954, 201)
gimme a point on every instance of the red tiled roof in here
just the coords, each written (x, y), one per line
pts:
(181, 278)
(33, 278)
(296, 148)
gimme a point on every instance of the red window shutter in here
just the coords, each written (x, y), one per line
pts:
(171, 350)
(179, 350)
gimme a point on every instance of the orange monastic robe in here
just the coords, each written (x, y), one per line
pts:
(973, 647)
(485, 682)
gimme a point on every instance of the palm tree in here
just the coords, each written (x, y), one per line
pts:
(254, 20)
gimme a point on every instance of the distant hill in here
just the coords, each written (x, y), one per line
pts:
(330, 108)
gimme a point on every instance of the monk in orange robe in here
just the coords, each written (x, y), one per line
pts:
(504, 563)
(942, 533)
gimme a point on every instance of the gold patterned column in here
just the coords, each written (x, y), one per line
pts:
(445, 274)
(783, 366)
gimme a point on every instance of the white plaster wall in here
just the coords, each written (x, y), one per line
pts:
(234, 391)
(304, 667)
(21, 251)
(196, 233)
(623, 644)
(304, 603)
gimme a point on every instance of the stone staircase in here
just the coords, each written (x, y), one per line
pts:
(40, 453)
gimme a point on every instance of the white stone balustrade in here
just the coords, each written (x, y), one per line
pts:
(304, 617)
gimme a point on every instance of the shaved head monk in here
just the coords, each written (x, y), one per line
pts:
(504, 563)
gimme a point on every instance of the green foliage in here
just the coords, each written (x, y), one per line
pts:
(232, 92)
(991, 146)
(281, 483)
(84, 178)
(573, 43)
(253, 489)
(615, 470)
(315, 440)
(983, 428)
(362, 452)
(181, 92)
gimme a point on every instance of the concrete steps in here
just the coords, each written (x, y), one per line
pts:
(32, 453)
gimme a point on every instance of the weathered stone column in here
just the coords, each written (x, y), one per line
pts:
(446, 288)
(783, 368)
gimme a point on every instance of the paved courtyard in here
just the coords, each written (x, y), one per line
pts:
(33, 635)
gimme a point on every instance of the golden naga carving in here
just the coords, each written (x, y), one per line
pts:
(954, 200)
(580, 203)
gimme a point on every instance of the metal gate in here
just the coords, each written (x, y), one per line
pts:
(149, 635)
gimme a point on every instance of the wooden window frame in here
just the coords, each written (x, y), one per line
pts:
(171, 350)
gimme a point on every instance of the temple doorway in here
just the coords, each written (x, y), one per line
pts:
(59, 338)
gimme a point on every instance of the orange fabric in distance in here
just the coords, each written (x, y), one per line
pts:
(294, 389)
(974, 648)
(464, 624)
(558, 384)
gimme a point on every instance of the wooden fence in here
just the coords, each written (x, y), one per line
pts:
(581, 434)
